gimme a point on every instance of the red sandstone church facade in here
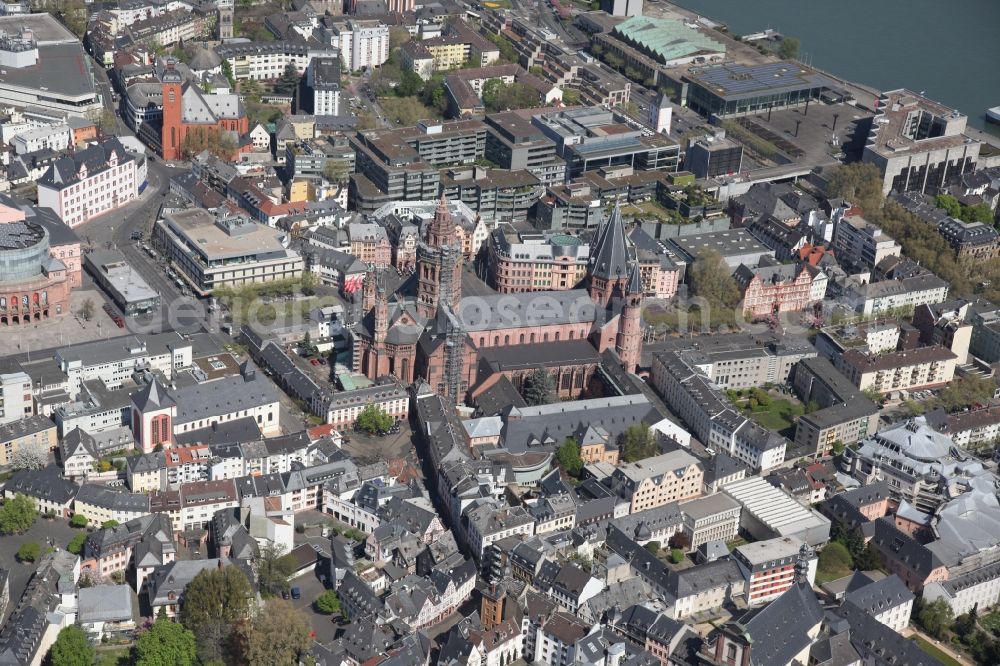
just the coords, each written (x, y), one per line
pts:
(437, 338)
(186, 110)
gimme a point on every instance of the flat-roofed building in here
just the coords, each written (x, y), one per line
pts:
(918, 144)
(712, 518)
(593, 138)
(127, 288)
(513, 142)
(924, 367)
(737, 89)
(497, 195)
(44, 65)
(769, 566)
(846, 415)
(214, 251)
(737, 246)
(323, 78)
(113, 361)
(770, 512)
(859, 243)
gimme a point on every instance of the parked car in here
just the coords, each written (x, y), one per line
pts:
(314, 361)
(296, 593)
(284, 594)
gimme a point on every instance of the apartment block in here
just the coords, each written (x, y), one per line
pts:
(925, 367)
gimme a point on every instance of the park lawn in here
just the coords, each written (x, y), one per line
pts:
(991, 622)
(779, 414)
(114, 656)
(825, 575)
(407, 110)
(936, 652)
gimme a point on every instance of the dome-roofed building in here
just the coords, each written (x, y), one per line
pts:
(34, 285)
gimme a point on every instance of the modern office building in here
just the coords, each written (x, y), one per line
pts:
(737, 89)
(513, 142)
(43, 65)
(402, 164)
(737, 246)
(861, 244)
(323, 78)
(712, 156)
(593, 138)
(497, 195)
(918, 144)
(226, 250)
(127, 288)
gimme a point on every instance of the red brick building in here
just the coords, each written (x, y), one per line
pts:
(187, 110)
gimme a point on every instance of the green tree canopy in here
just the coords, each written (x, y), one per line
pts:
(328, 603)
(17, 514)
(934, 617)
(568, 457)
(409, 83)
(279, 634)
(29, 552)
(274, 569)
(288, 81)
(835, 557)
(398, 35)
(637, 442)
(955, 208)
(373, 419)
(75, 546)
(72, 648)
(712, 279)
(165, 643)
(860, 183)
(539, 388)
(789, 49)
(213, 602)
(500, 96)
(78, 520)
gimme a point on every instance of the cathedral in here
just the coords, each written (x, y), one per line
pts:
(439, 335)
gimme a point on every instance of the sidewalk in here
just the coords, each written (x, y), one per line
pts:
(910, 632)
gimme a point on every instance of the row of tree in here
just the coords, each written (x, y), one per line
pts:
(220, 624)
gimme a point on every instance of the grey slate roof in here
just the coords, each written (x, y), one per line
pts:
(610, 256)
(879, 596)
(45, 483)
(105, 603)
(66, 170)
(780, 630)
(545, 427)
(222, 396)
(113, 500)
(878, 644)
(152, 397)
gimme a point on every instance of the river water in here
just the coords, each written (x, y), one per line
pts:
(950, 50)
